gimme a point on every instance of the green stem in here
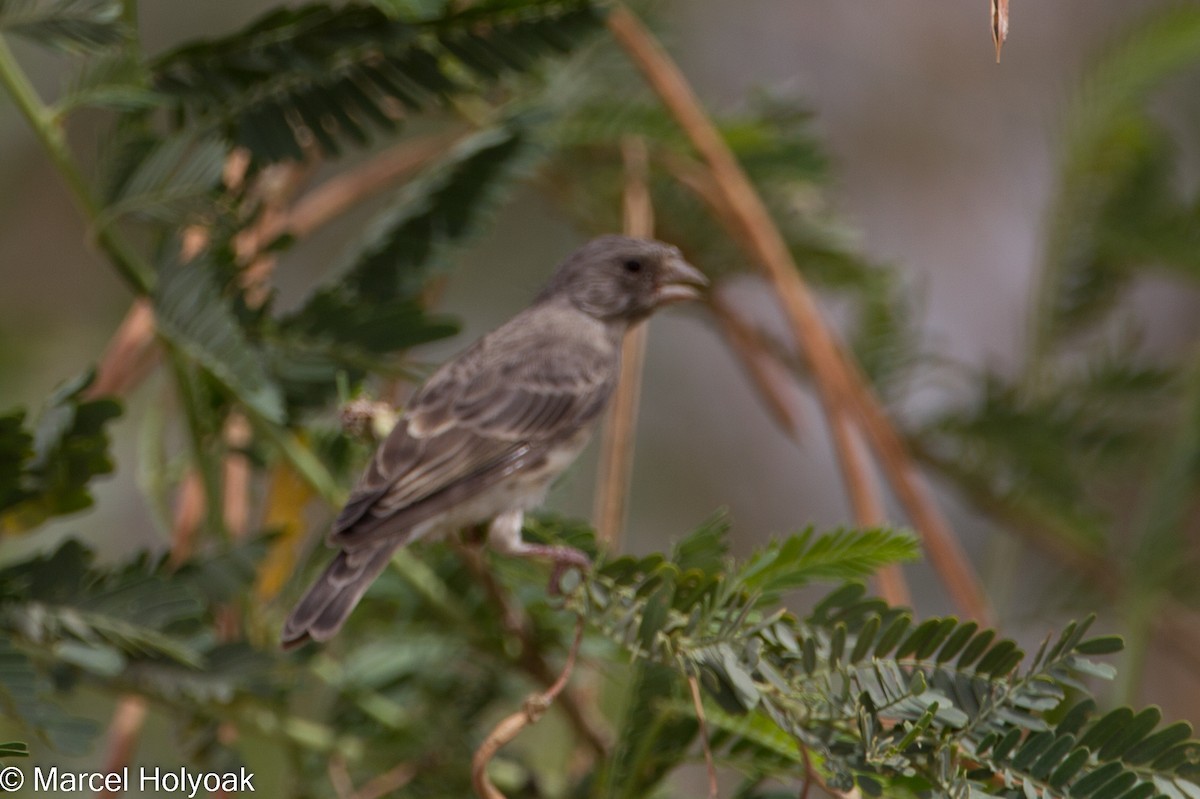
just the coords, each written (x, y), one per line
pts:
(209, 467)
(300, 458)
(132, 268)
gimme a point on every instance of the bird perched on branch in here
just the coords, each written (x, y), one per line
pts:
(491, 429)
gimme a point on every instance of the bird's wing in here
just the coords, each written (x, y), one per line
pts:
(495, 411)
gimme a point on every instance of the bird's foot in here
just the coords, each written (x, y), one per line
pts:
(564, 558)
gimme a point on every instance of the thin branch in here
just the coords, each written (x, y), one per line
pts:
(189, 511)
(840, 387)
(810, 774)
(615, 472)
(237, 475)
(127, 262)
(130, 355)
(1178, 624)
(388, 782)
(999, 25)
(769, 376)
(123, 731)
(342, 192)
(709, 763)
(511, 726)
(530, 658)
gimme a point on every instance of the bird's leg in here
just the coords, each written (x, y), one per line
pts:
(505, 536)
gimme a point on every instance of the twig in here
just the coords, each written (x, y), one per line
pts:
(511, 726)
(237, 475)
(999, 25)
(839, 386)
(340, 193)
(615, 472)
(389, 781)
(1178, 624)
(123, 731)
(530, 658)
(710, 764)
(810, 774)
(339, 777)
(764, 369)
(130, 355)
(189, 510)
(768, 374)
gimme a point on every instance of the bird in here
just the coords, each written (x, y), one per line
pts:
(489, 431)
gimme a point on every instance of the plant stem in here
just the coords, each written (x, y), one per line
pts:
(300, 457)
(210, 472)
(615, 472)
(131, 267)
(842, 388)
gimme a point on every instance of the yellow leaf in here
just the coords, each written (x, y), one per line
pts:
(287, 498)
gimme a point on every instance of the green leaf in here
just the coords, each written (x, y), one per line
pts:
(1131, 733)
(1103, 645)
(69, 25)
(194, 317)
(117, 80)
(841, 555)
(47, 473)
(443, 207)
(24, 697)
(331, 75)
(1158, 743)
(14, 749)
(1112, 184)
(163, 179)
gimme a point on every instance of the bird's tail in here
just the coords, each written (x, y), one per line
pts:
(327, 604)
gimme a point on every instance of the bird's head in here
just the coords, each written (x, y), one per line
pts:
(617, 278)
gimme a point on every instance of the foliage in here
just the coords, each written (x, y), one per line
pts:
(850, 693)
(1093, 445)
(876, 699)
(45, 472)
(327, 75)
(70, 25)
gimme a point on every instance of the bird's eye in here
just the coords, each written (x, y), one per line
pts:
(633, 265)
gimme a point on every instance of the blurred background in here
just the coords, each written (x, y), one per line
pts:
(943, 167)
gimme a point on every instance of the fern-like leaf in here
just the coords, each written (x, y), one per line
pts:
(329, 76)
(70, 25)
(194, 317)
(46, 473)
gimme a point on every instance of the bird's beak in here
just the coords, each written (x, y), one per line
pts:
(680, 281)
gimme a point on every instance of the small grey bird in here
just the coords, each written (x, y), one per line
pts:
(491, 429)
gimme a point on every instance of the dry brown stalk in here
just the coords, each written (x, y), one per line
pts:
(511, 726)
(340, 193)
(840, 388)
(122, 736)
(388, 782)
(130, 355)
(710, 764)
(999, 25)
(769, 376)
(517, 624)
(189, 510)
(615, 472)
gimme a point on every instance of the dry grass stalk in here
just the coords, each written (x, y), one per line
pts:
(511, 726)
(615, 472)
(840, 386)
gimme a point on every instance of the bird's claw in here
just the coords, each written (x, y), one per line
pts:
(564, 559)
